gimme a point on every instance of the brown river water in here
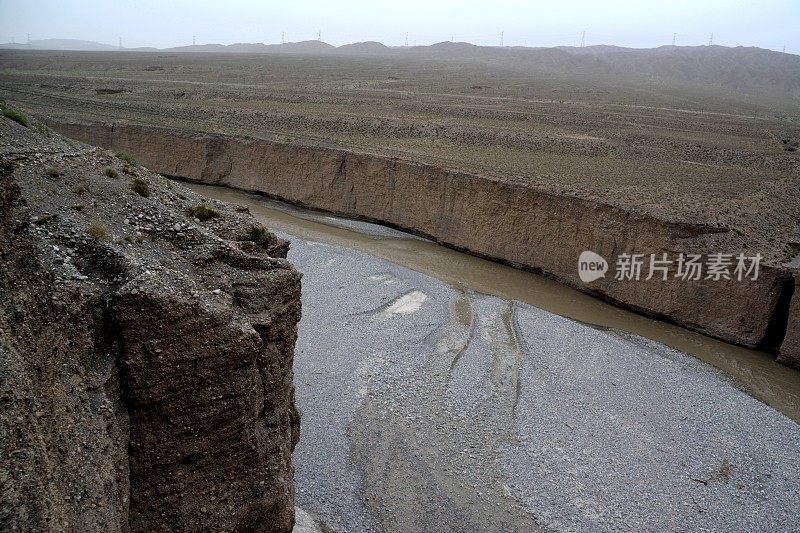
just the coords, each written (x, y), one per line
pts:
(755, 372)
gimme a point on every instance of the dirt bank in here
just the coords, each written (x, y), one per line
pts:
(146, 355)
(511, 222)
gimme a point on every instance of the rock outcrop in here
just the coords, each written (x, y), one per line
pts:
(502, 220)
(146, 350)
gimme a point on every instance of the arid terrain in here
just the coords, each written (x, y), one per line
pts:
(692, 134)
(152, 343)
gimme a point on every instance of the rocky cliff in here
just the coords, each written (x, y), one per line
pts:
(146, 347)
(503, 220)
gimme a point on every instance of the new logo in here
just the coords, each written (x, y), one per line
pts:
(591, 266)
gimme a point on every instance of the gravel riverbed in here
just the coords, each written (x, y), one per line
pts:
(428, 407)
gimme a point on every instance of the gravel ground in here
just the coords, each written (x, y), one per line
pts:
(431, 408)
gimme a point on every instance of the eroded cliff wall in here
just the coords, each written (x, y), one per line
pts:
(63, 432)
(790, 349)
(145, 354)
(497, 219)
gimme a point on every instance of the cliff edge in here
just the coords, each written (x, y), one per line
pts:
(146, 347)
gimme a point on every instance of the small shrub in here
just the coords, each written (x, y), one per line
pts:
(141, 187)
(41, 128)
(257, 234)
(128, 169)
(247, 246)
(125, 158)
(81, 189)
(202, 212)
(16, 116)
(111, 173)
(97, 231)
(44, 219)
(78, 207)
(52, 172)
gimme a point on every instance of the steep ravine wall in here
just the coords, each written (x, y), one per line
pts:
(790, 349)
(495, 219)
(146, 378)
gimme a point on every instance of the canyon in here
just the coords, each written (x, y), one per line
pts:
(158, 212)
(173, 354)
(445, 392)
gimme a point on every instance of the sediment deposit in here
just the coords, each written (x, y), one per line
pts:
(145, 353)
(499, 219)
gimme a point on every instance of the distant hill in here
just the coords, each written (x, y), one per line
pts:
(302, 47)
(61, 44)
(365, 48)
(739, 67)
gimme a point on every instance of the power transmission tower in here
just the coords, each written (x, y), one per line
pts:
(283, 37)
(784, 48)
(194, 40)
(120, 43)
(406, 39)
(502, 36)
(29, 40)
(711, 40)
(319, 35)
(673, 38)
(583, 39)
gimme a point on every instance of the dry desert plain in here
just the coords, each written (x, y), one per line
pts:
(690, 134)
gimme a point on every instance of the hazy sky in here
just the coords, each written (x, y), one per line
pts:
(768, 24)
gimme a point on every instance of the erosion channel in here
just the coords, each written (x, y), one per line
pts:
(440, 390)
